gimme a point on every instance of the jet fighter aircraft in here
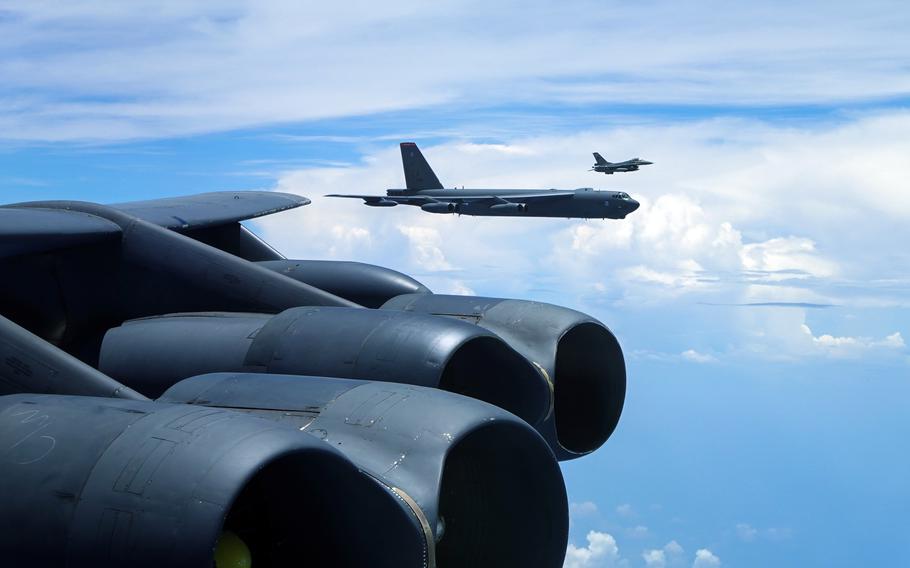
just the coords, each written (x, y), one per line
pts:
(603, 166)
(423, 189)
(175, 392)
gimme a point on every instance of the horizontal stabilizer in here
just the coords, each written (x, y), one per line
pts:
(32, 231)
(211, 209)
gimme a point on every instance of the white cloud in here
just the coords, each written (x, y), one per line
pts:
(845, 346)
(601, 552)
(795, 257)
(670, 555)
(654, 558)
(712, 235)
(583, 509)
(93, 71)
(673, 548)
(425, 243)
(638, 531)
(704, 558)
(746, 532)
(696, 357)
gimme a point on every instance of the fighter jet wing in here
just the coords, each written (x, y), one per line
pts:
(211, 209)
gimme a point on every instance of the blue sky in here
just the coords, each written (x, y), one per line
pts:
(760, 293)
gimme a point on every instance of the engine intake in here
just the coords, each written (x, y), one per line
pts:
(143, 484)
(579, 354)
(486, 483)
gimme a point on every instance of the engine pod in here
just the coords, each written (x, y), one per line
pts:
(578, 353)
(152, 354)
(365, 284)
(487, 484)
(102, 482)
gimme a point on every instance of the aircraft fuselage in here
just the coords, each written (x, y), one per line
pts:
(584, 203)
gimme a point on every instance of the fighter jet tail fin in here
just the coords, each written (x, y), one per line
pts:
(600, 159)
(417, 172)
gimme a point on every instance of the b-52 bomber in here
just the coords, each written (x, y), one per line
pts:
(423, 189)
(603, 166)
(174, 392)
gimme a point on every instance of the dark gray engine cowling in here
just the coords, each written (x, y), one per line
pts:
(486, 484)
(579, 354)
(365, 284)
(152, 354)
(94, 482)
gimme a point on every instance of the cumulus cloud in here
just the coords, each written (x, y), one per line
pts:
(845, 346)
(654, 558)
(704, 235)
(704, 558)
(670, 555)
(601, 552)
(93, 71)
(425, 243)
(673, 548)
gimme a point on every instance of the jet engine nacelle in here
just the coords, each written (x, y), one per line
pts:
(510, 207)
(92, 482)
(485, 485)
(366, 284)
(578, 354)
(152, 354)
(438, 207)
(381, 203)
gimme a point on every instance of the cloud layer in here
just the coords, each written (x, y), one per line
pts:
(725, 220)
(98, 71)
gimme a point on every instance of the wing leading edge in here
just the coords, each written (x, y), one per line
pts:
(211, 209)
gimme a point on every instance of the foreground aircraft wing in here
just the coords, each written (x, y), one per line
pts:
(33, 231)
(211, 209)
(153, 378)
(213, 218)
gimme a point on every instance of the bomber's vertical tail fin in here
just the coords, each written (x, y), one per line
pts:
(417, 172)
(600, 159)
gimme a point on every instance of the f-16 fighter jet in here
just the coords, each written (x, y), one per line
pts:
(603, 166)
(423, 189)
(175, 393)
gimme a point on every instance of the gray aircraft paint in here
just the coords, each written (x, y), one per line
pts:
(603, 166)
(442, 454)
(424, 190)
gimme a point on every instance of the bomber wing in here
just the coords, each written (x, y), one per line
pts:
(492, 199)
(152, 375)
(211, 209)
(32, 231)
